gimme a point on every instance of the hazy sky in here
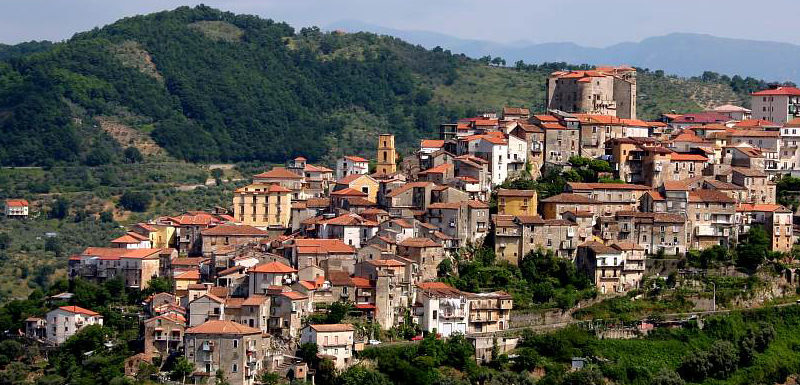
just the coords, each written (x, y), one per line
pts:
(586, 22)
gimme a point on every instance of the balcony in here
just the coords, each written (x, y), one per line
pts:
(567, 245)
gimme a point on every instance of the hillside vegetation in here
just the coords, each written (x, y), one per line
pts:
(207, 85)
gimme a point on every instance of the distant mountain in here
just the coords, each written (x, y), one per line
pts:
(683, 54)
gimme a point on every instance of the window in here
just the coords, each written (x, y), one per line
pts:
(435, 314)
(549, 243)
(234, 368)
(235, 344)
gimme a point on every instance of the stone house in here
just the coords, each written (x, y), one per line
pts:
(235, 349)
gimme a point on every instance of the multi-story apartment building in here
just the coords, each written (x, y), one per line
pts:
(516, 202)
(596, 130)
(602, 91)
(758, 187)
(188, 227)
(349, 165)
(134, 266)
(533, 136)
(561, 141)
(333, 340)
(65, 321)
(776, 220)
(442, 309)
(649, 231)
(235, 349)
(465, 221)
(555, 206)
(710, 218)
(779, 104)
(163, 335)
(226, 236)
(768, 142)
(790, 150)
(285, 178)
(613, 197)
(734, 112)
(489, 312)
(266, 206)
(604, 264)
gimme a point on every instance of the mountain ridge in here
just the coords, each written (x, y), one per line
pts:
(768, 60)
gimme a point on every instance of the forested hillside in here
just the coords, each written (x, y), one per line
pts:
(209, 86)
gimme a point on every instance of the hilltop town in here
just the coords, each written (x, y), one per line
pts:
(328, 259)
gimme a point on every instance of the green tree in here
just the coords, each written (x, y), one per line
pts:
(132, 155)
(358, 375)
(60, 208)
(181, 368)
(135, 200)
(269, 378)
(751, 254)
(337, 311)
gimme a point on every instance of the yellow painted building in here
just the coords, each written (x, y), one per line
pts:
(516, 202)
(364, 183)
(161, 236)
(387, 155)
(262, 205)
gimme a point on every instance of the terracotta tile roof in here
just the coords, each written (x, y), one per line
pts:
(626, 246)
(147, 227)
(440, 169)
(678, 157)
(332, 328)
(308, 285)
(223, 327)
(720, 185)
(230, 270)
(778, 91)
(16, 203)
(546, 118)
(349, 192)
(515, 193)
(702, 117)
(361, 282)
(386, 262)
(350, 219)
(278, 173)
(407, 187)
(472, 158)
(184, 261)
(590, 119)
(272, 268)
(356, 159)
(262, 188)
(116, 252)
(431, 143)
(655, 195)
(294, 295)
(709, 196)
(402, 223)
(316, 168)
(419, 242)
(552, 126)
(475, 204)
(580, 213)
(676, 185)
(761, 207)
(688, 136)
(194, 218)
(254, 300)
(439, 289)
(794, 123)
(599, 248)
(322, 246)
(79, 310)
(749, 172)
(516, 111)
(606, 186)
(234, 230)
(318, 202)
(126, 239)
(570, 198)
(192, 275)
(755, 123)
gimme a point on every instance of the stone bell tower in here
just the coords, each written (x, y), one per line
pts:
(387, 156)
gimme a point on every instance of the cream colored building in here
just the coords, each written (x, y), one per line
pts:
(263, 205)
(387, 156)
(333, 340)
